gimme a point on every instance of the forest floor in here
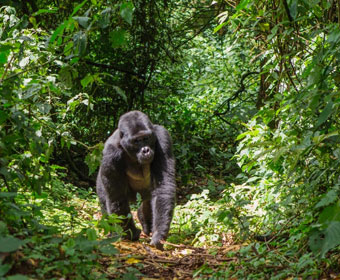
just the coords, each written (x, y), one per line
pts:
(177, 261)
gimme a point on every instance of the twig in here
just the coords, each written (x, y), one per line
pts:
(178, 245)
(234, 96)
(107, 66)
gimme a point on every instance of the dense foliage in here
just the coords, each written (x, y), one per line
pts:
(249, 91)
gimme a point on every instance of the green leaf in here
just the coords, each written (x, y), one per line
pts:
(293, 8)
(108, 250)
(4, 269)
(3, 117)
(76, 9)
(130, 276)
(45, 11)
(4, 53)
(59, 30)
(274, 32)
(242, 135)
(105, 16)
(87, 80)
(68, 48)
(332, 237)
(83, 21)
(80, 42)
(17, 277)
(327, 111)
(44, 108)
(120, 92)
(117, 38)
(219, 26)
(315, 241)
(126, 11)
(91, 234)
(334, 36)
(242, 5)
(329, 198)
(10, 244)
(8, 194)
(93, 159)
(330, 214)
(323, 241)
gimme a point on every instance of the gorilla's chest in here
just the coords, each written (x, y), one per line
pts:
(139, 177)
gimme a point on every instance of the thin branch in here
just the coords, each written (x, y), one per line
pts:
(236, 94)
(285, 4)
(107, 66)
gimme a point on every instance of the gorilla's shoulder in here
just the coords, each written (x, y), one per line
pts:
(164, 138)
(161, 131)
(113, 141)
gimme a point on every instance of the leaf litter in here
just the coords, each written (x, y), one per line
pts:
(177, 261)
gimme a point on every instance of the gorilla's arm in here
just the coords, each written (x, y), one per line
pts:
(163, 195)
(111, 184)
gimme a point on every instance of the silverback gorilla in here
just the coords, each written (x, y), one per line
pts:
(138, 157)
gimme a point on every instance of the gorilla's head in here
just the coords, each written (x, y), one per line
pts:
(137, 136)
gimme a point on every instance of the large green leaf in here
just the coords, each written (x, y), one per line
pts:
(83, 21)
(117, 37)
(327, 111)
(328, 198)
(126, 11)
(104, 19)
(91, 234)
(334, 36)
(10, 244)
(108, 250)
(332, 237)
(89, 79)
(77, 8)
(3, 117)
(17, 277)
(58, 31)
(80, 42)
(242, 5)
(330, 214)
(4, 268)
(325, 240)
(4, 52)
(293, 8)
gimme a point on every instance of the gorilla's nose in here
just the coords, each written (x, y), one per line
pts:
(145, 150)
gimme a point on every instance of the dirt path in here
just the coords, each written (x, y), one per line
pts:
(175, 262)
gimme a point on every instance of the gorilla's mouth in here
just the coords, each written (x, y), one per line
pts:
(145, 159)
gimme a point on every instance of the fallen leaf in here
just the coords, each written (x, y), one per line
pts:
(132, 261)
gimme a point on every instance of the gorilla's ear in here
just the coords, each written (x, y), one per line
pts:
(121, 134)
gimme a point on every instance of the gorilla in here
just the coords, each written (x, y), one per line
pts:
(138, 158)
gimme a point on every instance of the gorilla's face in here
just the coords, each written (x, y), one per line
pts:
(137, 137)
(144, 146)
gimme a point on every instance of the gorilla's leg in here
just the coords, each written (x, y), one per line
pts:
(145, 216)
(112, 192)
(101, 194)
(122, 208)
(162, 209)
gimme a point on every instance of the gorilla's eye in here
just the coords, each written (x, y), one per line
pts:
(137, 140)
(142, 139)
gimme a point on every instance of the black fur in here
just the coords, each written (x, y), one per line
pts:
(138, 157)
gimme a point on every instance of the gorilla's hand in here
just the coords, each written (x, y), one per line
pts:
(157, 243)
